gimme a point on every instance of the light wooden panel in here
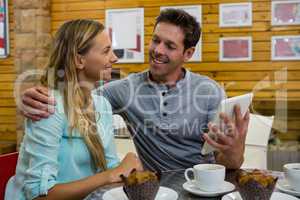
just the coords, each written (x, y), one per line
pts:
(241, 76)
(7, 78)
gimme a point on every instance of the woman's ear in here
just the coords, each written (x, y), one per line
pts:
(188, 53)
(80, 61)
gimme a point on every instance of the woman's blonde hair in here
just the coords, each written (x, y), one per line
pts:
(75, 38)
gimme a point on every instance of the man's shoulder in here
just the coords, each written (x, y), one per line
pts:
(130, 79)
(133, 77)
(138, 77)
(204, 85)
(125, 85)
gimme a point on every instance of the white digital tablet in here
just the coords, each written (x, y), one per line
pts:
(227, 106)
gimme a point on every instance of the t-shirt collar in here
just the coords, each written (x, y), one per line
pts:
(163, 86)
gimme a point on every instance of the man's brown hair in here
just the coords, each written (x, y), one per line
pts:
(185, 21)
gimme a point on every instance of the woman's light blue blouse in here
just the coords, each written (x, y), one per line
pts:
(49, 155)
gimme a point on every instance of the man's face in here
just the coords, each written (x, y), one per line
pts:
(166, 51)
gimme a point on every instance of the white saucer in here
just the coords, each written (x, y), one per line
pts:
(275, 196)
(190, 187)
(163, 193)
(284, 186)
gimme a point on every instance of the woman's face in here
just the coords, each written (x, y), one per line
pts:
(97, 62)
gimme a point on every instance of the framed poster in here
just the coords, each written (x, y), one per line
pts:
(195, 11)
(235, 14)
(285, 12)
(286, 48)
(4, 29)
(126, 30)
(235, 49)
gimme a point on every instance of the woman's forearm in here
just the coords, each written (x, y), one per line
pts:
(78, 189)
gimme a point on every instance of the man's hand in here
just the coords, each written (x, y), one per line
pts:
(230, 142)
(36, 103)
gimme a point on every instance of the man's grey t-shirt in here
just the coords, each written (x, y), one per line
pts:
(166, 123)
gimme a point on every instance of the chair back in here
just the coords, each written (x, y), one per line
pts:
(259, 130)
(8, 163)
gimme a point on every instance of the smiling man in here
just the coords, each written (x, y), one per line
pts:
(167, 107)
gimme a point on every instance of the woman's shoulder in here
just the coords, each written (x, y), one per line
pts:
(58, 96)
(102, 105)
(52, 126)
(57, 118)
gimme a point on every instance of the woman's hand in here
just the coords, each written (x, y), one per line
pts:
(130, 162)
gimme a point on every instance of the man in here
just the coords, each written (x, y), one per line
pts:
(167, 107)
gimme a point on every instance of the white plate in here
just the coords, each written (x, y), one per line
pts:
(275, 196)
(190, 187)
(163, 193)
(284, 186)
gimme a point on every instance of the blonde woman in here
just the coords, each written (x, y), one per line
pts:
(71, 153)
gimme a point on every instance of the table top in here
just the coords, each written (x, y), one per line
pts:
(175, 181)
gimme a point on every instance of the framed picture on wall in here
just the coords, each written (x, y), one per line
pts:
(286, 48)
(286, 12)
(4, 29)
(235, 14)
(195, 11)
(126, 30)
(235, 49)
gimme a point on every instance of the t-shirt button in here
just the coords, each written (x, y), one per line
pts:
(164, 114)
(163, 93)
(165, 103)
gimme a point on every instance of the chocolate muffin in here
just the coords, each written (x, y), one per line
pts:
(141, 185)
(255, 184)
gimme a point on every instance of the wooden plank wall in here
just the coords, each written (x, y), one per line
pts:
(7, 78)
(237, 77)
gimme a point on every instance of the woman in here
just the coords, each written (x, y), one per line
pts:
(71, 153)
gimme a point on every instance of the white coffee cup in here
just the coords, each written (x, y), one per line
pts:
(292, 175)
(207, 177)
